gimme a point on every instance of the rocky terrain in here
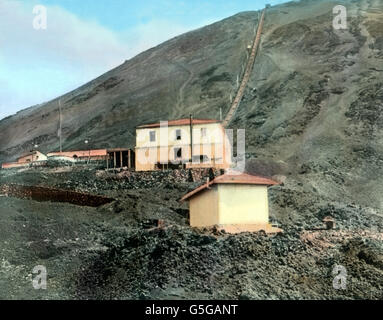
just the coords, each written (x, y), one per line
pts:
(118, 251)
(313, 117)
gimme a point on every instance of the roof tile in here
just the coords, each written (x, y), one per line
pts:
(179, 122)
(242, 178)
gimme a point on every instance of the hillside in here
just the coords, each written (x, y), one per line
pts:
(193, 73)
(117, 252)
(313, 115)
(313, 89)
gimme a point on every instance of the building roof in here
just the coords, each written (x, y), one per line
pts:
(29, 154)
(242, 178)
(118, 149)
(80, 153)
(179, 122)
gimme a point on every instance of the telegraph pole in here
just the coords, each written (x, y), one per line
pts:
(191, 138)
(87, 144)
(60, 126)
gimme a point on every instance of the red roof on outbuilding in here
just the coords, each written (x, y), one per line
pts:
(242, 178)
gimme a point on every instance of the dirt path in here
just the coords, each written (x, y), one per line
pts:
(180, 103)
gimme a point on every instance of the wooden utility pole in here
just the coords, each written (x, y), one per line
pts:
(87, 144)
(191, 138)
(60, 126)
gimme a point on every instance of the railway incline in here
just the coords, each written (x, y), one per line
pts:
(248, 70)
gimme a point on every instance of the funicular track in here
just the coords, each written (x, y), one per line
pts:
(248, 70)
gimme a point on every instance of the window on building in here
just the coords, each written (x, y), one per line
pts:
(177, 153)
(203, 132)
(178, 134)
(152, 136)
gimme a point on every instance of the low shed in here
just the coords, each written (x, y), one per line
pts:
(25, 160)
(233, 202)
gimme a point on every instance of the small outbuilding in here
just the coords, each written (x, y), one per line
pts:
(31, 157)
(329, 222)
(232, 202)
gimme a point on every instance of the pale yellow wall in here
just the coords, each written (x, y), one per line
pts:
(204, 208)
(143, 140)
(243, 204)
(215, 145)
(33, 157)
(41, 157)
(143, 157)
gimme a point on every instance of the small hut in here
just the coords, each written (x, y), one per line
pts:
(232, 202)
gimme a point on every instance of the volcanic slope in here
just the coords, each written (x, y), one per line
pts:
(312, 109)
(313, 116)
(192, 73)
